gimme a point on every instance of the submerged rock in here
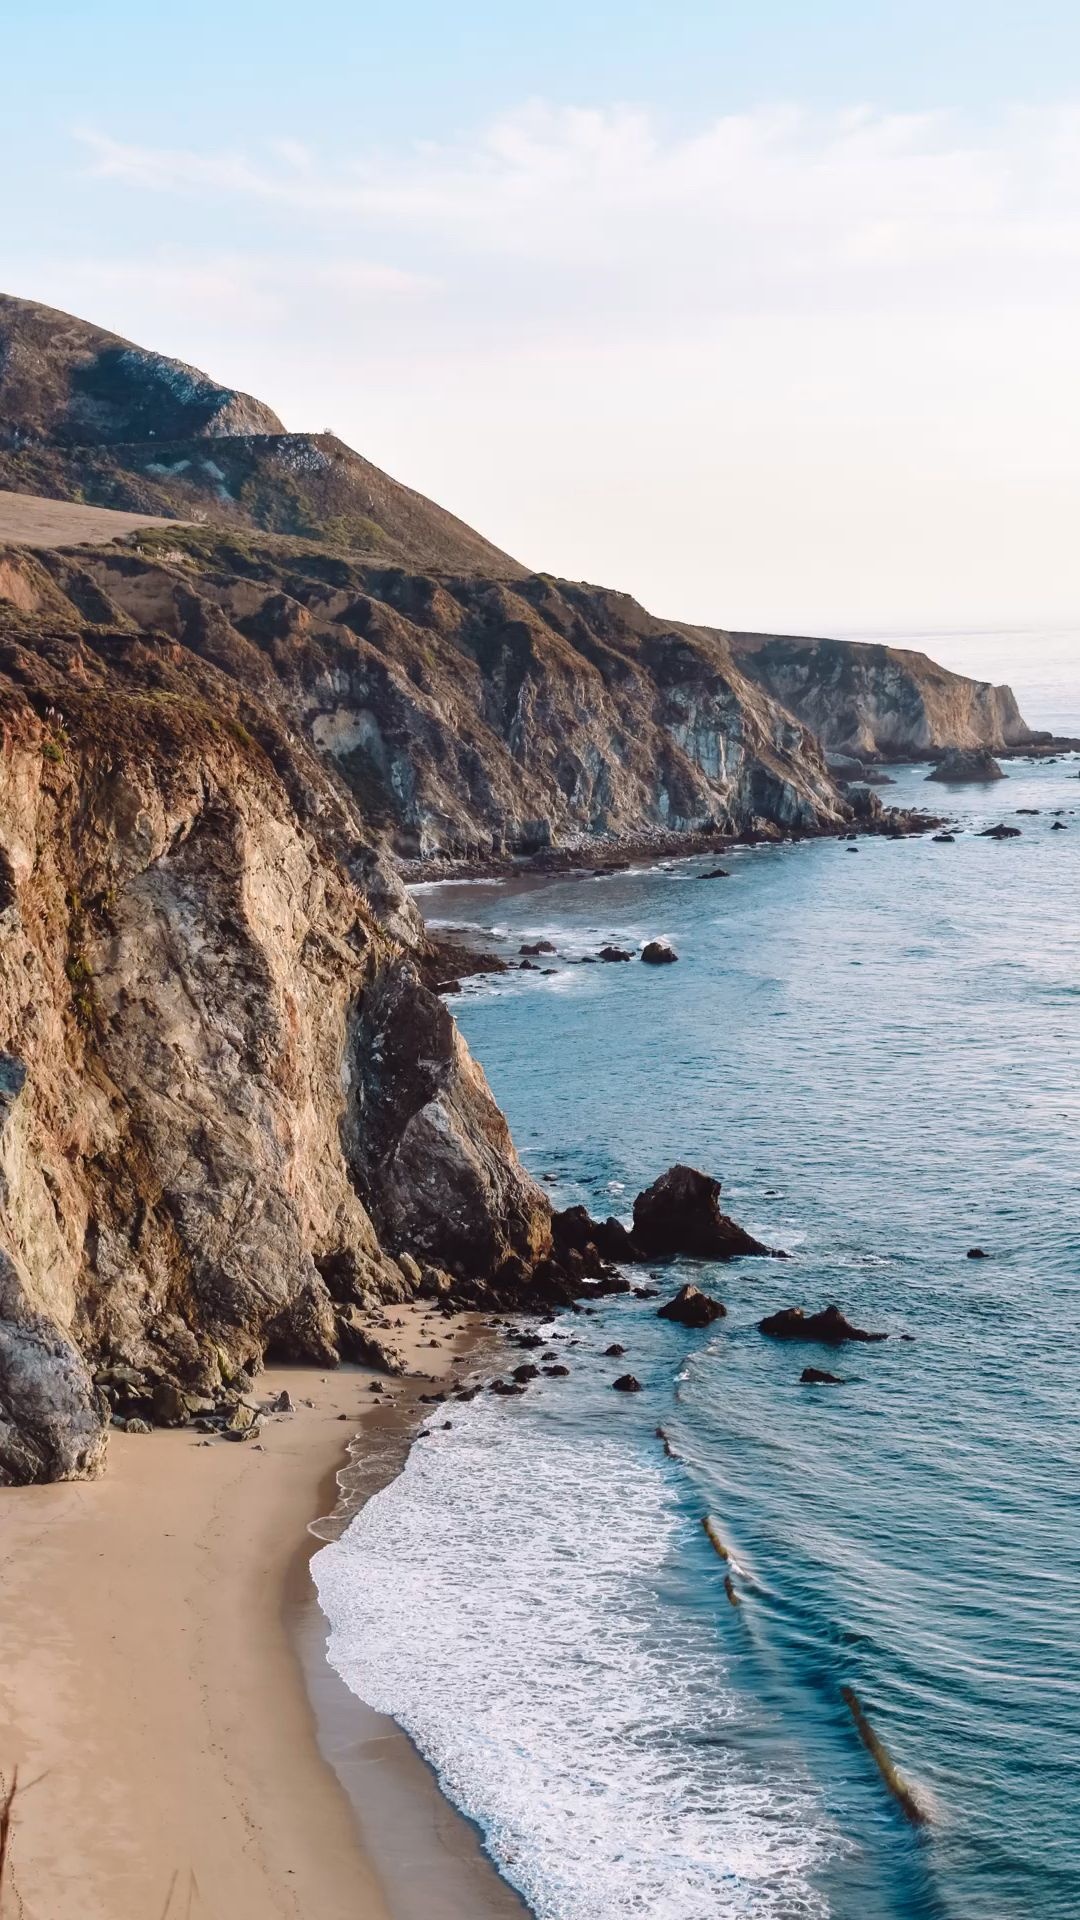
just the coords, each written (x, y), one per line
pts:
(692, 1308)
(830, 1326)
(816, 1377)
(680, 1214)
(1000, 832)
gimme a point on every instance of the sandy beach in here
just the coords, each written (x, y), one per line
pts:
(152, 1696)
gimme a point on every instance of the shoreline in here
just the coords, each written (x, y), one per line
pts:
(160, 1632)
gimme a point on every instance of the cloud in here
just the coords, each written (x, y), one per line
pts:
(765, 206)
(782, 368)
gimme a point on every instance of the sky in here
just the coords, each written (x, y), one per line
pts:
(766, 313)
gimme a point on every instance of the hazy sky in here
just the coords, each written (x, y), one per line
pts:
(765, 312)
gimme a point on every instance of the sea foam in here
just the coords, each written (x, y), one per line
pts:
(504, 1601)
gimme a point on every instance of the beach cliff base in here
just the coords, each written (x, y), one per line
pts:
(169, 1758)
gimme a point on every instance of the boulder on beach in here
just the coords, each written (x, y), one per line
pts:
(966, 763)
(658, 953)
(830, 1326)
(680, 1214)
(692, 1308)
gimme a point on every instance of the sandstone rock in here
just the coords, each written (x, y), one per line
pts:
(658, 953)
(829, 1326)
(135, 1425)
(961, 764)
(692, 1308)
(680, 1214)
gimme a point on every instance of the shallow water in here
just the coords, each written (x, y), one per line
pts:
(878, 1053)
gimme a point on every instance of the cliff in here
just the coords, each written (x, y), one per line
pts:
(226, 1100)
(877, 702)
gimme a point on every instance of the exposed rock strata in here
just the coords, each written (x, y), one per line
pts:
(870, 701)
(226, 1099)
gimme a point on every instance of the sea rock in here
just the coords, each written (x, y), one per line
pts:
(1000, 832)
(829, 1326)
(961, 764)
(692, 1308)
(613, 954)
(525, 1373)
(1058, 826)
(816, 1377)
(626, 1383)
(715, 873)
(658, 953)
(505, 1388)
(537, 946)
(977, 1253)
(944, 839)
(556, 1372)
(680, 1214)
(614, 1352)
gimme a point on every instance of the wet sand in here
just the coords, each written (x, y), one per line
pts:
(174, 1766)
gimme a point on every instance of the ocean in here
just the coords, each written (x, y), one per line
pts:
(878, 1054)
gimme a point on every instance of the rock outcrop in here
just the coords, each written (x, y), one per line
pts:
(692, 1308)
(962, 764)
(830, 1326)
(680, 1214)
(868, 701)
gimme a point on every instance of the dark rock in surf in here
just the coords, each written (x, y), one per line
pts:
(680, 1214)
(537, 946)
(977, 1253)
(1000, 832)
(830, 1326)
(816, 1377)
(525, 1373)
(658, 953)
(626, 1383)
(614, 1352)
(692, 1308)
(715, 873)
(966, 763)
(613, 954)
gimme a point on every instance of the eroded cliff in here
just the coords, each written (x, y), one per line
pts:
(877, 702)
(226, 1099)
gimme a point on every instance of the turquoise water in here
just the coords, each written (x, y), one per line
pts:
(877, 1052)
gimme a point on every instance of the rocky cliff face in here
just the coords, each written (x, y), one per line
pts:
(226, 1100)
(877, 702)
